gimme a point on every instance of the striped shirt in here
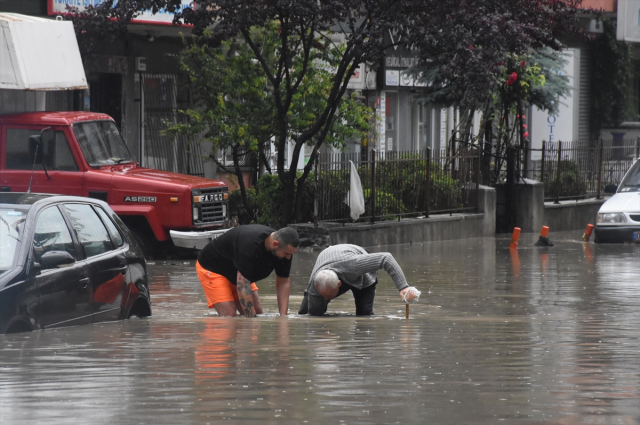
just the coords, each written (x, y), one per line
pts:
(355, 267)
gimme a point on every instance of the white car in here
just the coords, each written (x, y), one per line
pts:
(619, 217)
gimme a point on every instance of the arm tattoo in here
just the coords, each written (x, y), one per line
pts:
(245, 295)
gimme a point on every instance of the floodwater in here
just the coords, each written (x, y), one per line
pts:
(543, 336)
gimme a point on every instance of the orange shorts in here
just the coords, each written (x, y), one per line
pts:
(217, 288)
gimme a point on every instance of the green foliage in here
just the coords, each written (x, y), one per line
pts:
(612, 71)
(238, 209)
(386, 204)
(269, 201)
(571, 182)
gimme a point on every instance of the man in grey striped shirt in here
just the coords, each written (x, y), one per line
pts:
(345, 267)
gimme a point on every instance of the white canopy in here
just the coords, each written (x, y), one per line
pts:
(39, 54)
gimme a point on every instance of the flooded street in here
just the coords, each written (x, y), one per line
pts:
(543, 336)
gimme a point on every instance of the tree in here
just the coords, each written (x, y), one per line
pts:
(468, 53)
(234, 107)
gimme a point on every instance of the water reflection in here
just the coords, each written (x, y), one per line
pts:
(542, 335)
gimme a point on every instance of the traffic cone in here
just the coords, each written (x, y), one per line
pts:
(543, 240)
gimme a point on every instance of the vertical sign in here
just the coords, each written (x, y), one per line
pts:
(382, 113)
(559, 126)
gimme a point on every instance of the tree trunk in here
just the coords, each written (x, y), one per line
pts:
(246, 218)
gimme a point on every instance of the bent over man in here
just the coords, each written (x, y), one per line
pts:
(345, 267)
(229, 266)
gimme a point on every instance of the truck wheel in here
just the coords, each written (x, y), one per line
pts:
(152, 248)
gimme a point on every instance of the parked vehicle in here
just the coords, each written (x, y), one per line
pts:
(82, 154)
(619, 217)
(67, 260)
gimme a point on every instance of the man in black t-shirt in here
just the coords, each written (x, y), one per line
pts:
(229, 266)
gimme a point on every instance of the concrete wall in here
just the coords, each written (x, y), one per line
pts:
(409, 230)
(571, 215)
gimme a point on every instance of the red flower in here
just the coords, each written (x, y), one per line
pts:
(501, 63)
(523, 117)
(512, 78)
(524, 125)
(526, 134)
(523, 64)
(470, 46)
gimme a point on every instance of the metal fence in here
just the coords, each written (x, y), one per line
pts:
(397, 184)
(163, 95)
(578, 170)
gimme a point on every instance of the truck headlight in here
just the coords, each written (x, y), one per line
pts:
(611, 218)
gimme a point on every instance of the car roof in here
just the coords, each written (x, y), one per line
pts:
(19, 198)
(22, 198)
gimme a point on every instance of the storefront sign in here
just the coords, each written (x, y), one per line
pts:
(392, 78)
(559, 126)
(163, 17)
(406, 80)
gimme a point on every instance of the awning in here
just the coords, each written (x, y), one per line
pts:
(39, 54)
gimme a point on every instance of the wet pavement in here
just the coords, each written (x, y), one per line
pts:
(545, 336)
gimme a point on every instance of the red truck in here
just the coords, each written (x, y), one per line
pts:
(82, 153)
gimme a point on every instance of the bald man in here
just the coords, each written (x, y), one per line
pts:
(345, 267)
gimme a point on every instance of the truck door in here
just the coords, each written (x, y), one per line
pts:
(54, 153)
(106, 262)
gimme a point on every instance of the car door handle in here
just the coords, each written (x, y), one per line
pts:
(84, 281)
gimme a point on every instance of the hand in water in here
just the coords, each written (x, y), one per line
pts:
(410, 295)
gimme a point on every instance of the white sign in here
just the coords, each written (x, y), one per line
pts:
(163, 17)
(382, 118)
(406, 80)
(628, 21)
(557, 127)
(392, 78)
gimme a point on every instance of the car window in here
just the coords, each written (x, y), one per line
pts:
(89, 228)
(631, 182)
(54, 151)
(113, 230)
(11, 226)
(52, 234)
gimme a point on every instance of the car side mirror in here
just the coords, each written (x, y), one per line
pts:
(53, 259)
(611, 189)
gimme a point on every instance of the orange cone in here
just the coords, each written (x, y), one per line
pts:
(543, 240)
(587, 233)
(515, 237)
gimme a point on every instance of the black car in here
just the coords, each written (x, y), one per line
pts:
(67, 260)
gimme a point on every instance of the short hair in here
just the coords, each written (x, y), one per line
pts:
(287, 236)
(326, 279)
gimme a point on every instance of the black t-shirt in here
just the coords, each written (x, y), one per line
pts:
(242, 249)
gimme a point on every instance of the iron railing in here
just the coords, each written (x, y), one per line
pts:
(163, 96)
(580, 170)
(397, 184)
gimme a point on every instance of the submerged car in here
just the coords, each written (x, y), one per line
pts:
(67, 260)
(619, 218)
